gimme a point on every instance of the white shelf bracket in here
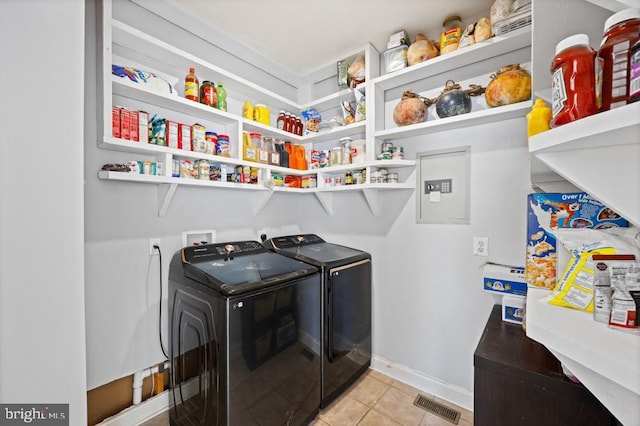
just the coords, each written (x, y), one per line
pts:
(261, 200)
(326, 201)
(371, 195)
(165, 195)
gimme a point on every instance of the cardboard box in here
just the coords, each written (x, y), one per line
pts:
(173, 133)
(185, 137)
(115, 122)
(503, 279)
(546, 212)
(143, 126)
(513, 308)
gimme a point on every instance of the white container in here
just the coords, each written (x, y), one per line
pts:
(358, 154)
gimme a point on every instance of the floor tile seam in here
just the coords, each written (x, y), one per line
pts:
(388, 386)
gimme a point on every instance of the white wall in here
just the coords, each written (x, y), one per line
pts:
(42, 323)
(429, 309)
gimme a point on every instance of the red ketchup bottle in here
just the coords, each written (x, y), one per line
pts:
(573, 84)
(621, 32)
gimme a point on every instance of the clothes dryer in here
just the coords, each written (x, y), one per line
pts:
(346, 307)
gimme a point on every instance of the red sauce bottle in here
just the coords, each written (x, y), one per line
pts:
(573, 84)
(621, 32)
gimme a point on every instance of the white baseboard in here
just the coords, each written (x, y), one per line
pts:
(137, 414)
(454, 394)
(140, 413)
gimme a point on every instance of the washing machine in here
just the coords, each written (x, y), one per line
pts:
(245, 336)
(346, 307)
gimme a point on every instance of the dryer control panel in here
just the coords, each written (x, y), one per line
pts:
(292, 241)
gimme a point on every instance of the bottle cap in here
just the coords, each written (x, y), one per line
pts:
(574, 40)
(623, 15)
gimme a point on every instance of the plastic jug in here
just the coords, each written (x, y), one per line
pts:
(247, 110)
(248, 149)
(358, 152)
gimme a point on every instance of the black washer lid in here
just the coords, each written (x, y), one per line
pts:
(311, 248)
(238, 267)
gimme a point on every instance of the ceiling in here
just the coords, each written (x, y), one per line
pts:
(304, 36)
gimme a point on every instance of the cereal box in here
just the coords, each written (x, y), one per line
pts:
(549, 211)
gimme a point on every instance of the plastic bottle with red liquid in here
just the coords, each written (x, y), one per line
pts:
(620, 34)
(573, 85)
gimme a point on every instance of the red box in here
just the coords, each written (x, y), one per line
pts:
(125, 123)
(185, 137)
(173, 134)
(115, 121)
(133, 127)
(143, 126)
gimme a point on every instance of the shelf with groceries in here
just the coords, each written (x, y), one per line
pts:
(128, 49)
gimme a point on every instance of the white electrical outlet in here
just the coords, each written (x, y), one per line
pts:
(481, 246)
(153, 242)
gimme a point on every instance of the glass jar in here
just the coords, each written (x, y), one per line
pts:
(451, 33)
(209, 94)
(620, 33)
(573, 83)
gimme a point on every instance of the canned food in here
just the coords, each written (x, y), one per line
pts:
(338, 180)
(392, 178)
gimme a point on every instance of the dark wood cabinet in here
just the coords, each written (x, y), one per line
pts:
(517, 381)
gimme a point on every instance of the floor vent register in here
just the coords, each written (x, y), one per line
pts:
(438, 409)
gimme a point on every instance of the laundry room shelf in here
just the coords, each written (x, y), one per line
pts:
(466, 57)
(475, 118)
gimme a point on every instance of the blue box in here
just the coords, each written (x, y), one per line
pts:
(549, 211)
(504, 279)
(513, 308)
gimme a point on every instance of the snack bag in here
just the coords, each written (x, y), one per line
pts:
(575, 286)
(312, 119)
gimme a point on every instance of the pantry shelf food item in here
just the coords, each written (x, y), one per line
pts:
(621, 31)
(573, 82)
(451, 33)
(421, 50)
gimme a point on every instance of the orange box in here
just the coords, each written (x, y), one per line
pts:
(125, 123)
(133, 127)
(115, 121)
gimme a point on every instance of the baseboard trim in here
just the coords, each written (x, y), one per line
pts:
(446, 391)
(140, 413)
(146, 410)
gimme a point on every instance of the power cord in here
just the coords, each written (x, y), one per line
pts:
(164, 352)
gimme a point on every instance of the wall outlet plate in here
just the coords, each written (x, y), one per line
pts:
(481, 246)
(153, 242)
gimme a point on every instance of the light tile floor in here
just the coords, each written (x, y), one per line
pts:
(374, 400)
